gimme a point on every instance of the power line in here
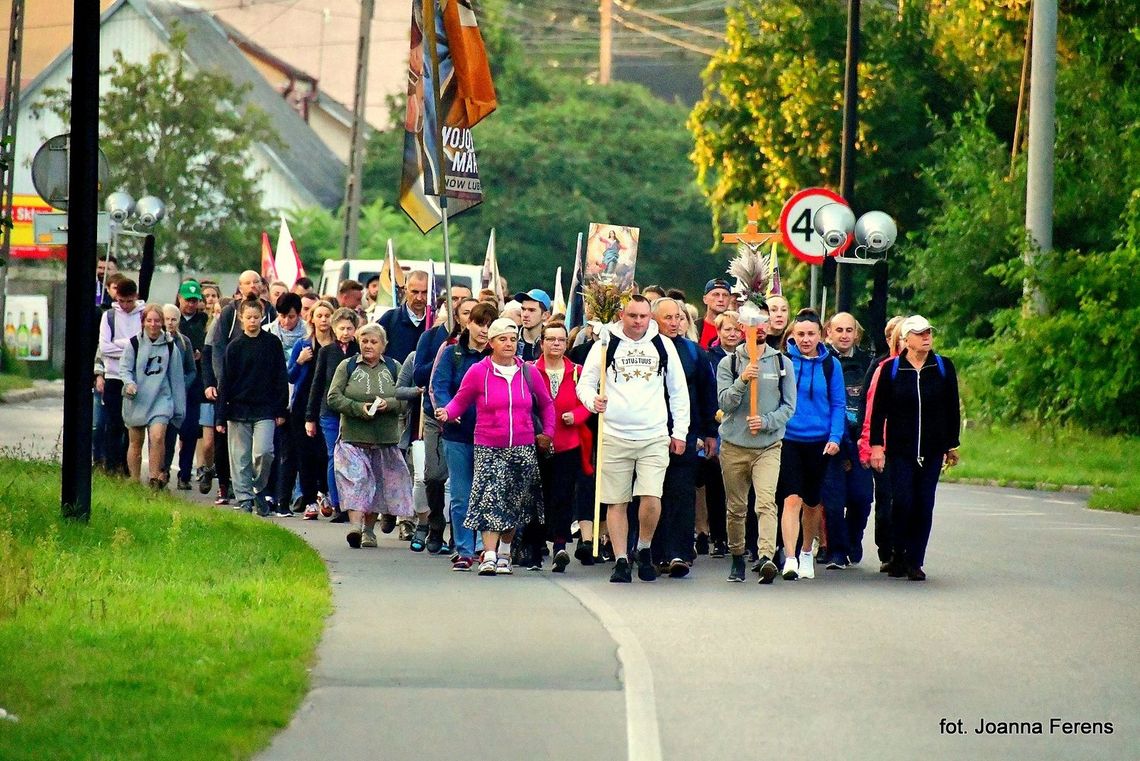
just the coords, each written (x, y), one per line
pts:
(664, 37)
(668, 21)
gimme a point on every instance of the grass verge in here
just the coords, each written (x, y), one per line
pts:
(9, 382)
(159, 630)
(1038, 457)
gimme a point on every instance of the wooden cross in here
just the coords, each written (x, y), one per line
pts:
(751, 234)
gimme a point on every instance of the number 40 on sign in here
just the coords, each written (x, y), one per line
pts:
(797, 230)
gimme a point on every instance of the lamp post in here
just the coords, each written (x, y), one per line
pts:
(134, 219)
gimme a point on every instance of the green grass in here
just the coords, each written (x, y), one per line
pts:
(10, 382)
(1039, 457)
(161, 629)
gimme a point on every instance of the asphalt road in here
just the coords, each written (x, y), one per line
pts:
(1029, 615)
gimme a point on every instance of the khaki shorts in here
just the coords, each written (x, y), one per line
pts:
(623, 459)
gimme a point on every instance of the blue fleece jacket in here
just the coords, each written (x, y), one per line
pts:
(821, 407)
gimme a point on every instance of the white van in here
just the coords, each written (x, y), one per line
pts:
(363, 270)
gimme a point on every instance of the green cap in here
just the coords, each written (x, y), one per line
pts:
(190, 290)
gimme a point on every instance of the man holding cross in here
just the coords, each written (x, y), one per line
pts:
(639, 366)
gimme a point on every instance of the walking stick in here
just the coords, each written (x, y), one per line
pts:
(598, 459)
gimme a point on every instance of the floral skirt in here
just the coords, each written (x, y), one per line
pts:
(506, 491)
(373, 479)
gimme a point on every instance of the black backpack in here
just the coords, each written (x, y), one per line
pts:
(658, 343)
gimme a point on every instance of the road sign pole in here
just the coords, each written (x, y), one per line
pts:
(83, 206)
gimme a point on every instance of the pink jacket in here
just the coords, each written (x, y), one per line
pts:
(865, 435)
(565, 436)
(502, 410)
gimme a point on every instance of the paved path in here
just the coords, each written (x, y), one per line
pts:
(1030, 614)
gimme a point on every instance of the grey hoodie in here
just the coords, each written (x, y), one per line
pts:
(157, 369)
(733, 397)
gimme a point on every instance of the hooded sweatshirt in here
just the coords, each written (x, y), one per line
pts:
(821, 407)
(157, 370)
(116, 328)
(504, 405)
(733, 397)
(636, 388)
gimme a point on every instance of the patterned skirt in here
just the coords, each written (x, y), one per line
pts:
(506, 491)
(373, 479)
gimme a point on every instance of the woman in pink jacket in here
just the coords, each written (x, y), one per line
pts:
(506, 491)
(560, 470)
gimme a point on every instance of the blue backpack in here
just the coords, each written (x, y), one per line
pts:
(937, 360)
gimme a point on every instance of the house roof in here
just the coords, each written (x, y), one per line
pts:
(302, 155)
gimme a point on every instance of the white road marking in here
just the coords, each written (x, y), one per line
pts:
(1061, 502)
(643, 736)
(1016, 496)
(1007, 515)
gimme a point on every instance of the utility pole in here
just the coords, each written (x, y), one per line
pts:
(1042, 112)
(350, 245)
(843, 285)
(8, 123)
(606, 42)
(82, 211)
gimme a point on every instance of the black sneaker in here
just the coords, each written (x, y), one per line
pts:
(768, 570)
(341, 516)
(434, 543)
(916, 574)
(645, 569)
(608, 552)
(205, 480)
(561, 560)
(719, 549)
(584, 552)
(263, 508)
(622, 573)
(737, 572)
(702, 544)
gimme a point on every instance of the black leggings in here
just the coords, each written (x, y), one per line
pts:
(559, 476)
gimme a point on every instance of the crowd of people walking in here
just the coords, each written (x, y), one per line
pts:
(485, 431)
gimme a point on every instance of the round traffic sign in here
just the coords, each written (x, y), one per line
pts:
(796, 225)
(51, 167)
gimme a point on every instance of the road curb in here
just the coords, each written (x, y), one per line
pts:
(41, 389)
(1015, 484)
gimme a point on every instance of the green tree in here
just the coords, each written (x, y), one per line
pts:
(185, 137)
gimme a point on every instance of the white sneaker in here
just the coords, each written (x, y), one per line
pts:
(807, 566)
(791, 569)
(503, 566)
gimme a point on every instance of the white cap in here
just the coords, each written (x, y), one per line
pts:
(916, 323)
(502, 326)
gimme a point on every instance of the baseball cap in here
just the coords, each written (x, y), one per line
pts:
(502, 326)
(535, 294)
(190, 290)
(715, 283)
(916, 323)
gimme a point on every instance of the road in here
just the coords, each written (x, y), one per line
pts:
(1029, 615)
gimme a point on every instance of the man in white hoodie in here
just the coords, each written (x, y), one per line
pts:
(646, 385)
(119, 324)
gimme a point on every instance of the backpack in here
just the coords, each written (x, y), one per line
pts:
(937, 360)
(389, 363)
(783, 372)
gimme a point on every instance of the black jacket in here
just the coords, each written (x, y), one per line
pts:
(403, 334)
(253, 384)
(855, 370)
(919, 407)
(323, 368)
(225, 329)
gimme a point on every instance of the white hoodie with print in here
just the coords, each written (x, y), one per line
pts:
(635, 389)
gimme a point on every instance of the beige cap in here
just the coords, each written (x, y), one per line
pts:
(916, 323)
(502, 326)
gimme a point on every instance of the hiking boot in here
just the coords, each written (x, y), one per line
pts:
(768, 570)
(645, 569)
(622, 573)
(737, 572)
(368, 539)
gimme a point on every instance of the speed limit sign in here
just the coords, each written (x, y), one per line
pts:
(796, 225)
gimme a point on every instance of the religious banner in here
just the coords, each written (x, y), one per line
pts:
(611, 255)
(466, 93)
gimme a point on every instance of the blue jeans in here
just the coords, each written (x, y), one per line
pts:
(461, 469)
(330, 427)
(912, 506)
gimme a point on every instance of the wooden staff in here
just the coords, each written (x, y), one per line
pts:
(598, 458)
(750, 333)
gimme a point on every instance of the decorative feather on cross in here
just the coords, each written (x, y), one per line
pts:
(752, 269)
